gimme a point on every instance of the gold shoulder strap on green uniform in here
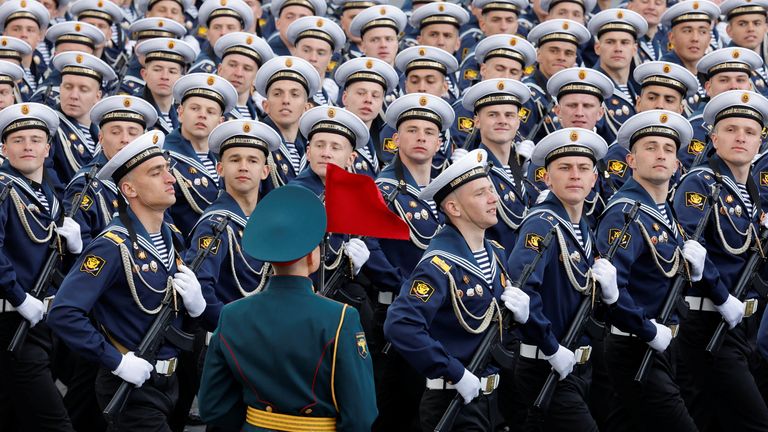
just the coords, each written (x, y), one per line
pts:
(333, 362)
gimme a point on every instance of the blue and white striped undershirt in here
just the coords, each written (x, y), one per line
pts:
(295, 157)
(663, 210)
(42, 47)
(745, 197)
(432, 204)
(41, 196)
(243, 110)
(167, 118)
(484, 262)
(625, 89)
(577, 231)
(209, 165)
(30, 79)
(508, 169)
(162, 249)
(87, 138)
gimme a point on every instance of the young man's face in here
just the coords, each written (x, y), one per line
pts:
(651, 10)
(78, 95)
(364, 99)
(26, 150)
(474, 202)
(725, 81)
(198, 116)
(381, 43)
(579, 110)
(443, 36)
(115, 135)
(317, 52)
(737, 140)
(747, 31)
(240, 71)
(346, 18)
(616, 50)
(571, 178)
(653, 159)
(160, 76)
(497, 124)
(690, 40)
(104, 26)
(498, 22)
(555, 56)
(285, 103)
(427, 81)
(7, 96)
(150, 184)
(167, 9)
(417, 140)
(567, 10)
(501, 67)
(288, 15)
(243, 169)
(659, 97)
(221, 26)
(25, 29)
(325, 148)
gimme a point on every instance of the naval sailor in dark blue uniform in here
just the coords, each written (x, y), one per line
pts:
(439, 24)
(132, 267)
(108, 17)
(286, 12)
(650, 256)
(720, 386)
(379, 29)
(204, 98)
(16, 17)
(220, 18)
(10, 75)
(452, 296)
(567, 272)
(364, 82)
(746, 28)
(287, 84)
(13, 50)
(347, 11)
(32, 219)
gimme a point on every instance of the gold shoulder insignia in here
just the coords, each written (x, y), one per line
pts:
(92, 265)
(613, 234)
(362, 345)
(764, 133)
(470, 74)
(421, 290)
(466, 124)
(464, 53)
(205, 241)
(696, 147)
(85, 202)
(174, 228)
(763, 178)
(529, 70)
(533, 241)
(617, 167)
(694, 199)
(496, 244)
(439, 263)
(523, 113)
(389, 145)
(539, 174)
(114, 237)
(331, 66)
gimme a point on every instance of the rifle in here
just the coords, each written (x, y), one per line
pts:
(543, 114)
(674, 293)
(162, 330)
(492, 337)
(582, 315)
(742, 286)
(44, 279)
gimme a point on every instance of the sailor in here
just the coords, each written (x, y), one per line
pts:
(141, 30)
(108, 17)
(13, 51)
(379, 29)
(16, 17)
(242, 54)
(285, 13)
(220, 17)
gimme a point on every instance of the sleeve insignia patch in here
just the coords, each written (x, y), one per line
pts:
(764, 133)
(696, 147)
(523, 113)
(204, 242)
(362, 345)
(694, 199)
(617, 167)
(470, 74)
(441, 264)
(421, 290)
(763, 178)
(85, 202)
(466, 124)
(533, 241)
(539, 174)
(613, 234)
(390, 146)
(92, 265)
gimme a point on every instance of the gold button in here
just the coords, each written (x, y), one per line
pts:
(268, 409)
(308, 411)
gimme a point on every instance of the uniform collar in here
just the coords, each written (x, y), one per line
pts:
(449, 243)
(311, 181)
(292, 283)
(634, 191)
(226, 205)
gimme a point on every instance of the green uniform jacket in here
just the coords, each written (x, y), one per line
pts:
(289, 351)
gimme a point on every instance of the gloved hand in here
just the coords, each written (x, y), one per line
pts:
(542, 196)
(185, 283)
(468, 386)
(563, 361)
(732, 311)
(524, 149)
(457, 154)
(605, 274)
(358, 253)
(32, 309)
(695, 254)
(132, 369)
(663, 337)
(70, 230)
(517, 301)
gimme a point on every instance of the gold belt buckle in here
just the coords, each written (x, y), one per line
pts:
(674, 328)
(490, 384)
(171, 367)
(47, 302)
(750, 307)
(583, 353)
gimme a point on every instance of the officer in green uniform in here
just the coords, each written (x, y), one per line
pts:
(254, 378)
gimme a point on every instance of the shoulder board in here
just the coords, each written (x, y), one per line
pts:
(496, 244)
(441, 264)
(173, 228)
(114, 237)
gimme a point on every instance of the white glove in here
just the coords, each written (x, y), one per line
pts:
(32, 309)
(357, 252)
(132, 369)
(542, 196)
(457, 154)
(563, 361)
(185, 283)
(663, 337)
(605, 273)
(732, 311)
(517, 302)
(695, 254)
(70, 230)
(524, 149)
(468, 386)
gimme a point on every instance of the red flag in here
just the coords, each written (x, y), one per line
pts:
(354, 206)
